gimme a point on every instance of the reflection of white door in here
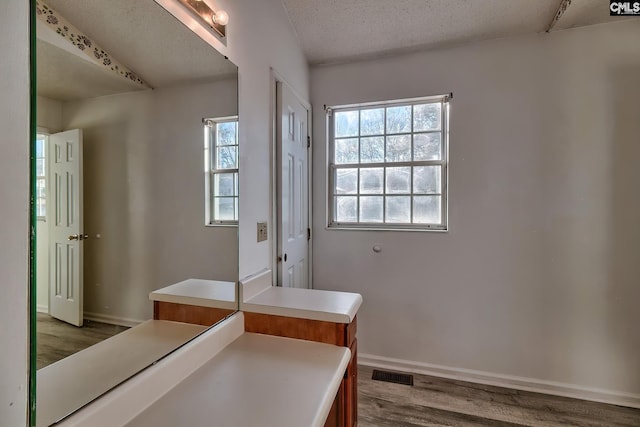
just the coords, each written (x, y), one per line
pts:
(65, 226)
(293, 186)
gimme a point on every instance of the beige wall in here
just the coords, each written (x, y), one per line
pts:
(538, 276)
(14, 210)
(49, 114)
(144, 195)
(42, 266)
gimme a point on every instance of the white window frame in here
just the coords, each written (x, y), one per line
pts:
(41, 178)
(210, 138)
(444, 163)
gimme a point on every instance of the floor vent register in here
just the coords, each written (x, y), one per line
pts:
(392, 377)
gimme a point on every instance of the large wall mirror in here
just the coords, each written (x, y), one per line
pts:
(136, 184)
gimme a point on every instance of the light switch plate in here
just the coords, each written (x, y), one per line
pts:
(262, 231)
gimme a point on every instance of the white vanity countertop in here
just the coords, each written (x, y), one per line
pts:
(83, 376)
(203, 293)
(314, 304)
(257, 380)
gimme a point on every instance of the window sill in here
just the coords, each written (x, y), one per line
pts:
(222, 225)
(387, 228)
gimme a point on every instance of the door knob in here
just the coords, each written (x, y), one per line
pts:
(78, 237)
(280, 258)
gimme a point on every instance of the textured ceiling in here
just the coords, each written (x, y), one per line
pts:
(587, 12)
(65, 77)
(146, 39)
(343, 30)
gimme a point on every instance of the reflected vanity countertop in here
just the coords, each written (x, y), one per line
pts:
(257, 380)
(203, 293)
(94, 370)
(227, 377)
(313, 304)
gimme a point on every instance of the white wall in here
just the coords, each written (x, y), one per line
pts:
(539, 274)
(144, 195)
(14, 210)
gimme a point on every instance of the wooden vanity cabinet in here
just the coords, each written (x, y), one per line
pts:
(344, 412)
(196, 315)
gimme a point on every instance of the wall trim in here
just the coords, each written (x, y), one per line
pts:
(112, 320)
(489, 378)
(254, 284)
(42, 308)
(55, 29)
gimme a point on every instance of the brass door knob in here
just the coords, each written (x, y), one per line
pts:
(78, 237)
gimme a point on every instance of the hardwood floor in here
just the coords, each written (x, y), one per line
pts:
(441, 402)
(57, 340)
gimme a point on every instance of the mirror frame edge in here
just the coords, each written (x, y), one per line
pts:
(32, 347)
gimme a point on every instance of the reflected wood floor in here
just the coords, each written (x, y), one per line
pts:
(57, 340)
(442, 402)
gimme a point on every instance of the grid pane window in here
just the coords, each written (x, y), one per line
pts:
(221, 165)
(388, 165)
(41, 177)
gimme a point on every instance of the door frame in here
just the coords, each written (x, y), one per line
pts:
(275, 78)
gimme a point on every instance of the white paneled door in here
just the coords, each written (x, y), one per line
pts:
(64, 217)
(293, 189)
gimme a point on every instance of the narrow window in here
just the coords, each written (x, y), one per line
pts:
(221, 166)
(41, 177)
(387, 165)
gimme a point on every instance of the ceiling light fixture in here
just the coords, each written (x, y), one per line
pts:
(220, 17)
(216, 21)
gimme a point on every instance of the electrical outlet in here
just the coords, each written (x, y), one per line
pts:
(262, 231)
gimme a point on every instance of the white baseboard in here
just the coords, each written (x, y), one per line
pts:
(42, 308)
(520, 383)
(112, 320)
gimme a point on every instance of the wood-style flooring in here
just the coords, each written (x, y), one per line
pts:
(442, 402)
(56, 340)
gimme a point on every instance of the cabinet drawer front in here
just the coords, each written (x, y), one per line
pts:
(291, 327)
(205, 316)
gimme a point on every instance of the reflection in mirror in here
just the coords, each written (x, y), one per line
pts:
(130, 105)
